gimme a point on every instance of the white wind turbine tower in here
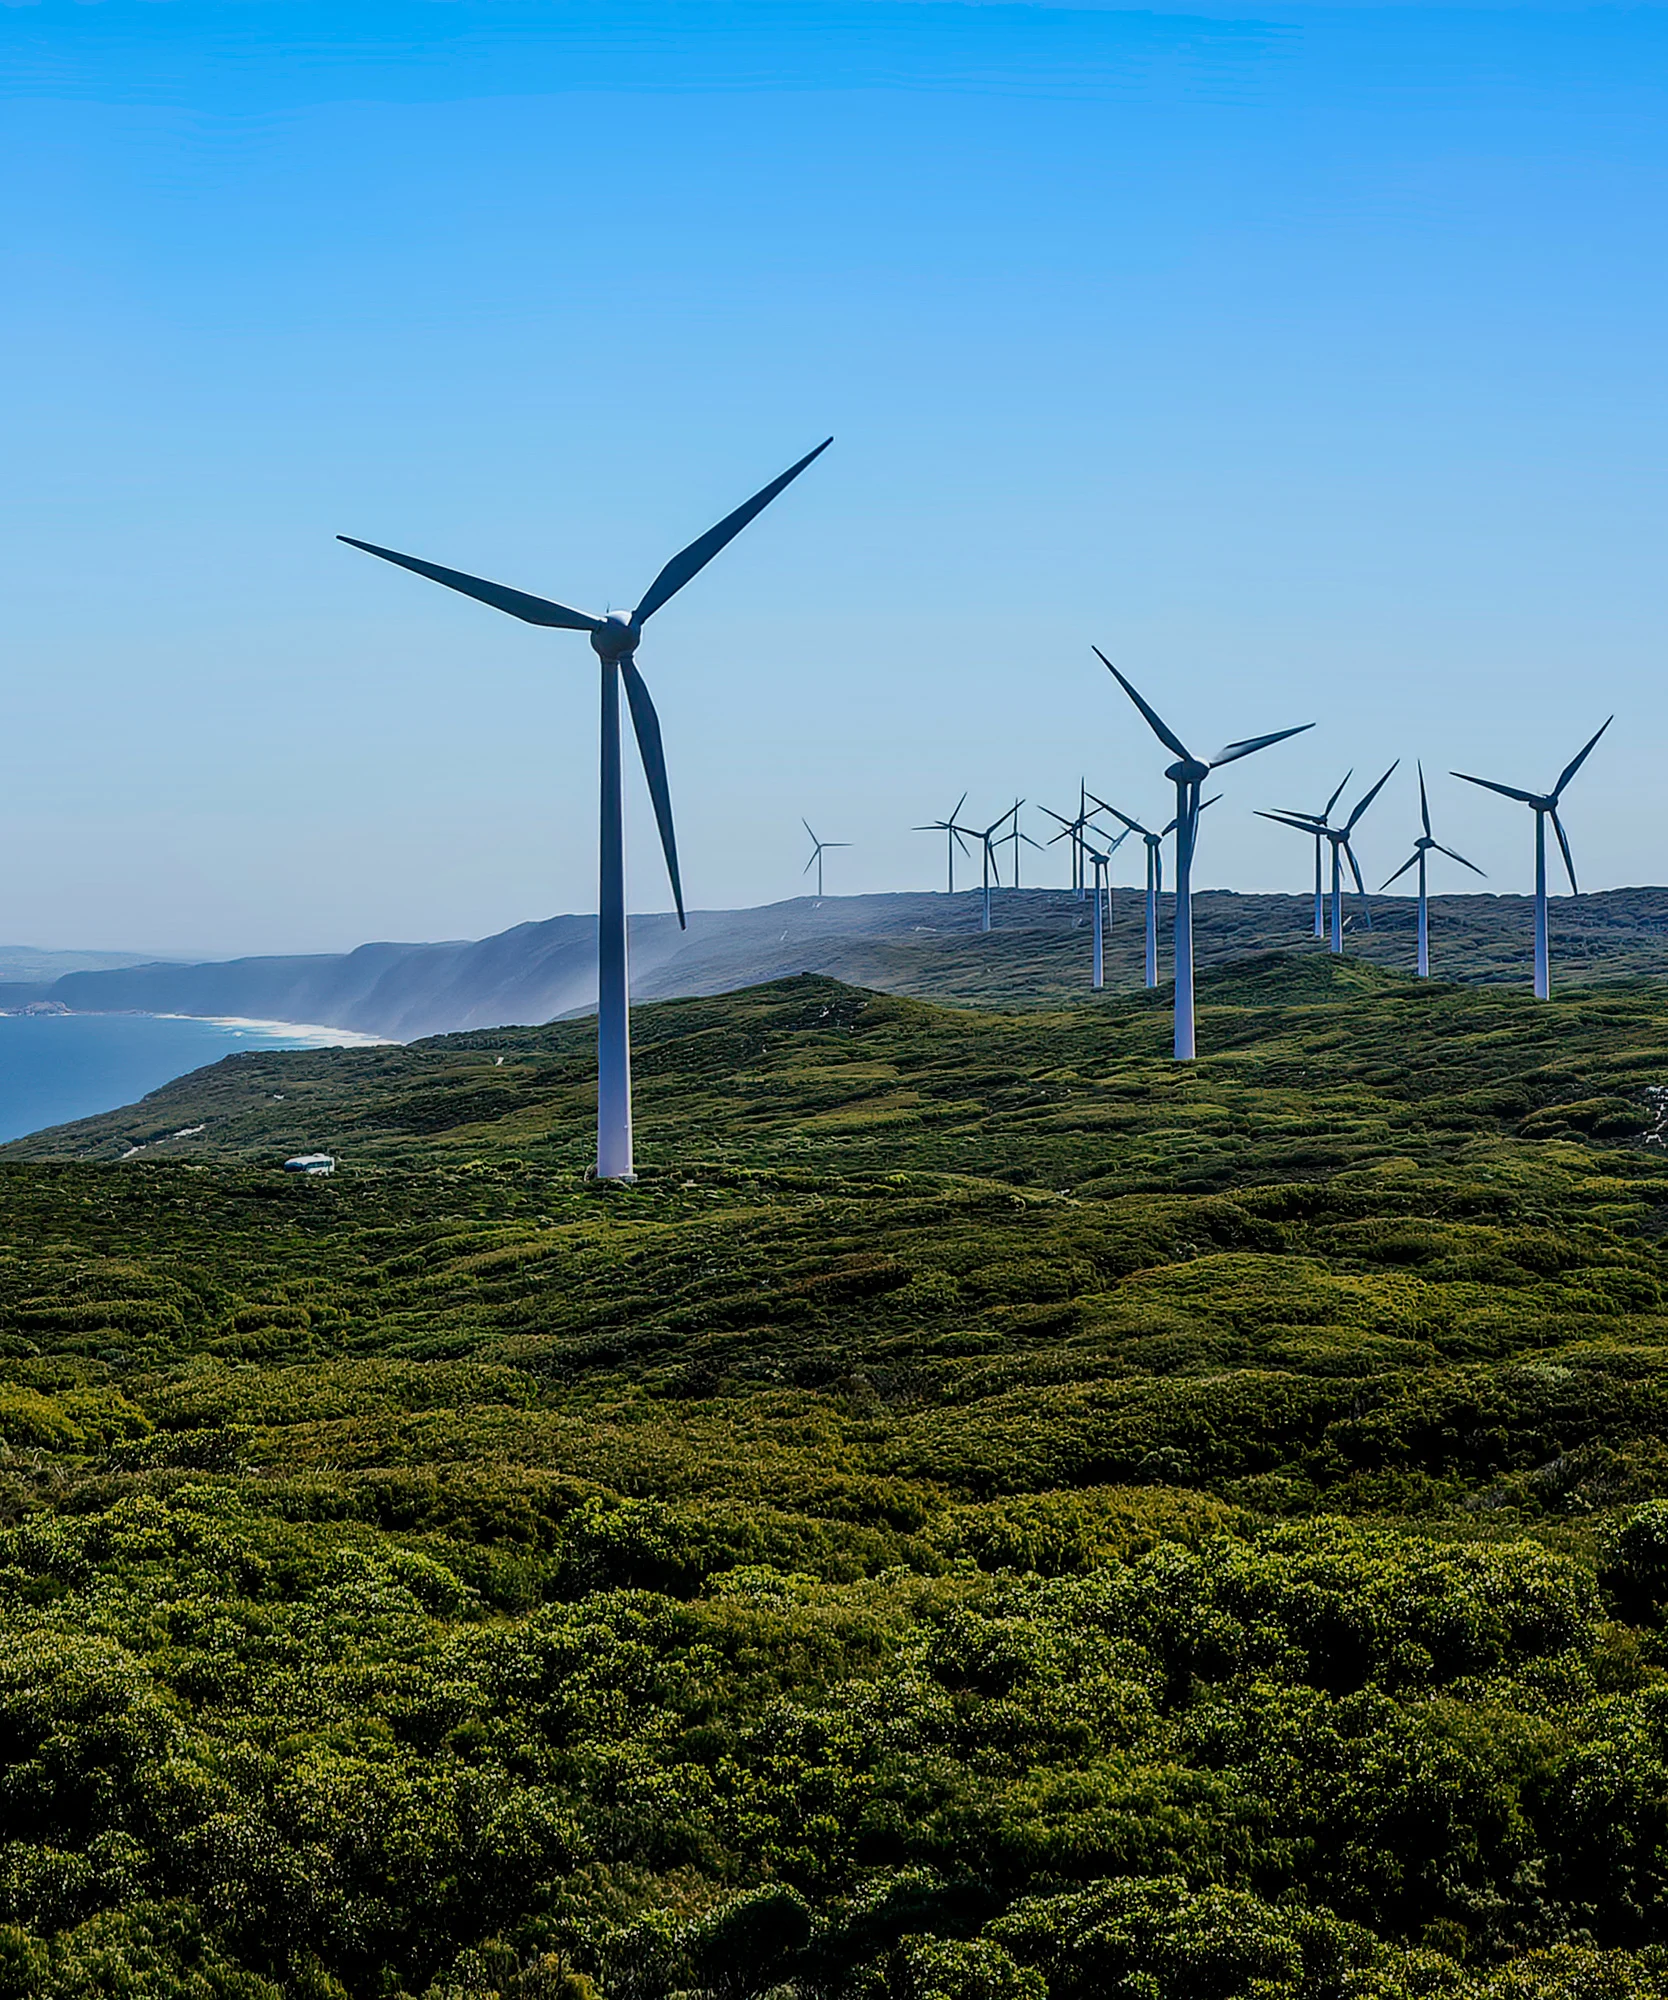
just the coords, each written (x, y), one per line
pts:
(1544, 805)
(818, 849)
(1155, 876)
(1188, 774)
(1423, 847)
(615, 638)
(1100, 862)
(1341, 851)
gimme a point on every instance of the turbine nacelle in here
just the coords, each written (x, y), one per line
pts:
(1187, 771)
(614, 636)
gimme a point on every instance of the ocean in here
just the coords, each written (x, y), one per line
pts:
(55, 1067)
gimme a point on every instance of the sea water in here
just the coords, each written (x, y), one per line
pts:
(55, 1067)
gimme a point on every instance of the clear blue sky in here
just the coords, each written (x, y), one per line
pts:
(1309, 360)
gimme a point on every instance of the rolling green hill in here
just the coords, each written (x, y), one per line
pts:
(991, 1514)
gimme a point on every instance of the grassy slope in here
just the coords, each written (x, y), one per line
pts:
(306, 1676)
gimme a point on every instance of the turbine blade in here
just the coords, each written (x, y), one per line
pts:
(959, 804)
(1355, 870)
(647, 725)
(1411, 862)
(1059, 818)
(836, 843)
(1313, 827)
(1232, 752)
(1488, 785)
(1339, 793)
(1569, 864)
(1580, 758)
(1155, 722)
(809, 866)
(1206, 803)
(1460, 858)
(808, 828)
(1425, 804)
(1134, 825)
(691, 561)
(534, 610)
(1349, 824)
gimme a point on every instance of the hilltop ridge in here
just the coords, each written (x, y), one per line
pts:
(928, 944)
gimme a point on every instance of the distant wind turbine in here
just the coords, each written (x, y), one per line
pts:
(1320, 822)
(1072, 830)
(818, 849)
(1188, 773)
(615, 639)
(1100, 862)
(1341, 851)
(1016, 838)
(952, 836)
(1423, 847)
(1544, 805)
(991, 870)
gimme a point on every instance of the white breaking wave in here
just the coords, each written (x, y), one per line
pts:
(306, 1034)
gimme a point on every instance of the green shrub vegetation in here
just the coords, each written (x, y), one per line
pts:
(989, 1515)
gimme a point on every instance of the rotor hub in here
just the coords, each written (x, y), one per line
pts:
(1188, 771)
(615, 637)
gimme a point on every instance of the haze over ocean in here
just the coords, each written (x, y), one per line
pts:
(1306, 359)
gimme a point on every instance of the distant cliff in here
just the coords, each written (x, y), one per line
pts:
(529, 974)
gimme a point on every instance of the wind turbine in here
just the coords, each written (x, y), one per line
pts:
(1544, 805)
(1422, 847)
(1320, 822)
(990, 867)
(952, 836)
(1016, 837)
(818, 849)
(615, 638)
(1188, 774)
(1101, 862)
(1155, 876)
(1072, 830)
(1076, 828)
(1341, 849)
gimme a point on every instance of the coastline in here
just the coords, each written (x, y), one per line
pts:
(316, 1033)
(58, 1067)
